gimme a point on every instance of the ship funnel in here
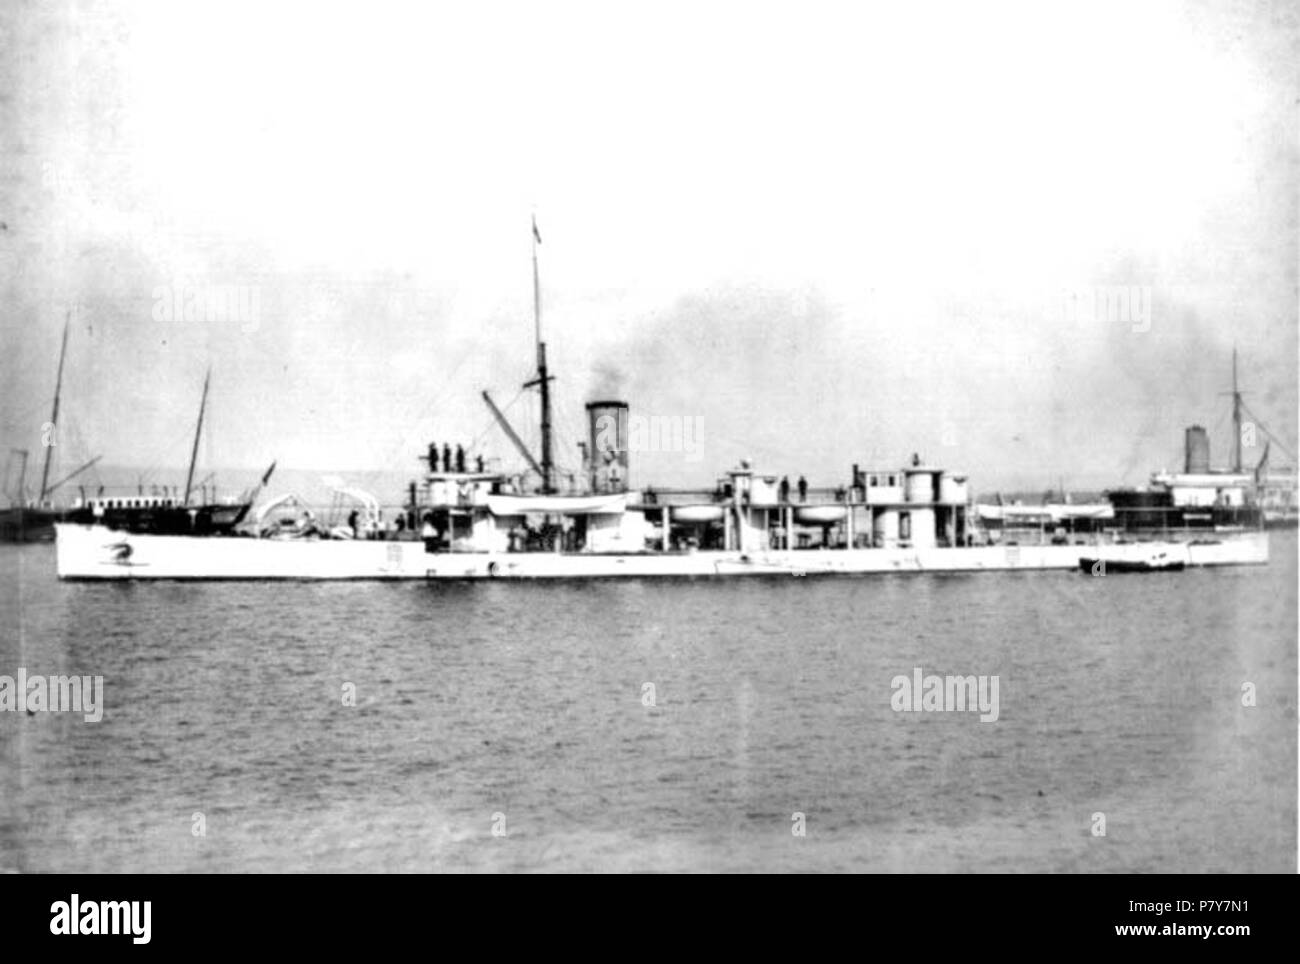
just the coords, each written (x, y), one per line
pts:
(608, 447)
(1198, 451)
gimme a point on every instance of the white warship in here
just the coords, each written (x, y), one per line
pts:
(475, 524)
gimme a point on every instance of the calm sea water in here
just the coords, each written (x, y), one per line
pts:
(522, 708)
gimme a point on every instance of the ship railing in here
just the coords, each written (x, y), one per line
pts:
(1138, 524)
(815, 495)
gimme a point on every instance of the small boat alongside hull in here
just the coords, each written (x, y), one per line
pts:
(1142, 557)
(97, 553)
(1098, 566)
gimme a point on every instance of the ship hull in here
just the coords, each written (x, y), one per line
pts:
(29, 525)
(97, 553)
(202, 520)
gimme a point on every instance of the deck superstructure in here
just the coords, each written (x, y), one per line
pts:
(484, 525)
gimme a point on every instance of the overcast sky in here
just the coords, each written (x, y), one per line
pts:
(834, 233)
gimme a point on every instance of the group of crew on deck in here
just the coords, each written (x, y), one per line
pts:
(450, 461)
(784, 489)
(724, 491)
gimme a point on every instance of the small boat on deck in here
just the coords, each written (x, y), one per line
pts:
(697, 513)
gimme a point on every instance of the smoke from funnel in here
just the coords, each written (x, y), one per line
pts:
(608, 381)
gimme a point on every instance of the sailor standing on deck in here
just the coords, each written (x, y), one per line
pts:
(803, 489)
(785, 488)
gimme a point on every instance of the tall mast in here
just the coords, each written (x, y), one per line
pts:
(543, 380)
(1236, 415)
(54, 416)
(22, 478)
(198, 431)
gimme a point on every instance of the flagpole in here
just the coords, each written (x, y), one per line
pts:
(1236, 414)
(537, 295)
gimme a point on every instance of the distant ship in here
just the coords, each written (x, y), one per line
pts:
(160, 515)
(166, 516)
(1217, 499)
(466, 523)
(32, 520)
(1197, 501)
(1279, 496)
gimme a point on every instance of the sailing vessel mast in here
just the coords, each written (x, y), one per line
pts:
(54, 416)
(22, 498)
(1236, 415)
(543, 380)
(198, 431)
(22, 477)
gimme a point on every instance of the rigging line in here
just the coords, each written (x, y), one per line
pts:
(566, 426)
(1264, 428)
(182, 434)
(37, 412)
(1285, 451)
(573, 426)
(573, 435)
(478, 439)
(492, 423)
(153, 466)
(750, 447)
(448, 386)
(1222, 425)
(563, 426)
